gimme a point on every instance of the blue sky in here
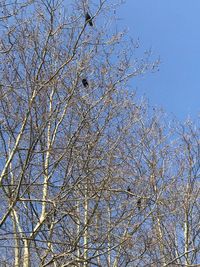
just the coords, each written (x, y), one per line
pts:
(171, 28)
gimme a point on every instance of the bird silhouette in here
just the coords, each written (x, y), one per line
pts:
(139, 202)
(85, 83)
(129, 190)
(88, 19)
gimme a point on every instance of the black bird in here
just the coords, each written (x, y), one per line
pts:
(88, 19)
(139, 202)
(129, 190)
(85, 83)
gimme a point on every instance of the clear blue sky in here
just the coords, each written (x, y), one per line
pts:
(171, 28)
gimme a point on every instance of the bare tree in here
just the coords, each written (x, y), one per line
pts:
(88, 176)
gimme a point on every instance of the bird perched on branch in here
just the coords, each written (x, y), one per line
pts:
(139, 202)
(129, 190)
(85, 83)
(88, 19)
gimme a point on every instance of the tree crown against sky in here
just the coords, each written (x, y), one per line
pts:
(89, 177)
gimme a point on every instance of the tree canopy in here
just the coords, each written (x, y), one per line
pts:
(89, 174)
